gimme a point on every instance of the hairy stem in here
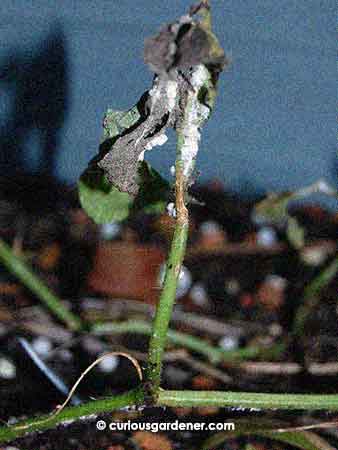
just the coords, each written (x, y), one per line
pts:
(134, 397)
(193, 114)
(164, 310)
(311, 296)
(248, 400)
(214, 354)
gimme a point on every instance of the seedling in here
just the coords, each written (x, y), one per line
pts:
(187, 60)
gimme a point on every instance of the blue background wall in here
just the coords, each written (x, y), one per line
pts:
(63, 63)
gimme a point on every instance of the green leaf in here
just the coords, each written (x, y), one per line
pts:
(274, 208)
(295, 233)
(154, 190)
(102, 202)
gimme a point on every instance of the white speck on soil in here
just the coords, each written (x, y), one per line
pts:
(42, 346)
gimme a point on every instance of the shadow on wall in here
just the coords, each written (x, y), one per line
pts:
(39, 88)
(335, 167)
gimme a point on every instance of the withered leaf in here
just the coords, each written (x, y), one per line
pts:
(183, 44)
(171, 54)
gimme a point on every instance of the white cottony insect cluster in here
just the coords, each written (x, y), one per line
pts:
(196, 114)
(155, 94)
(171, 93)
(158, 140)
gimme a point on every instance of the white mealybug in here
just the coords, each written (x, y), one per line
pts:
(266, 237)
(184, 280)
(171, 210)
(7, 369)
(42, 346)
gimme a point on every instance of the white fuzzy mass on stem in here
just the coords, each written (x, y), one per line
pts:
(196, 113)
(155, 94)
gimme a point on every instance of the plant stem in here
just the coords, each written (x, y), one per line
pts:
(131, 398)
(248, 400)
(192, 116)
(214, 354)
(164, 310)
(25, 274)
(135, 397)
(311, 296)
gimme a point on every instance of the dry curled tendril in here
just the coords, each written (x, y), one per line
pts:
(59, 408)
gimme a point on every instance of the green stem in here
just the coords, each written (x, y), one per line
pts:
(134, 397)
(248, 400)
(214, 354)
(163, 313)
(25, 274)
(311, 296)
(192, 115)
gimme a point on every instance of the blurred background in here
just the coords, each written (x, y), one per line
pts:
(62, 64)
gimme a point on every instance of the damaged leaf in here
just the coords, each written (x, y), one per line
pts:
(184, 44)
(116, 122)
(139, 129)
(104, 203)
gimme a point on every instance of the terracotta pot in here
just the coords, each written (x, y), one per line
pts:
(128, 270)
